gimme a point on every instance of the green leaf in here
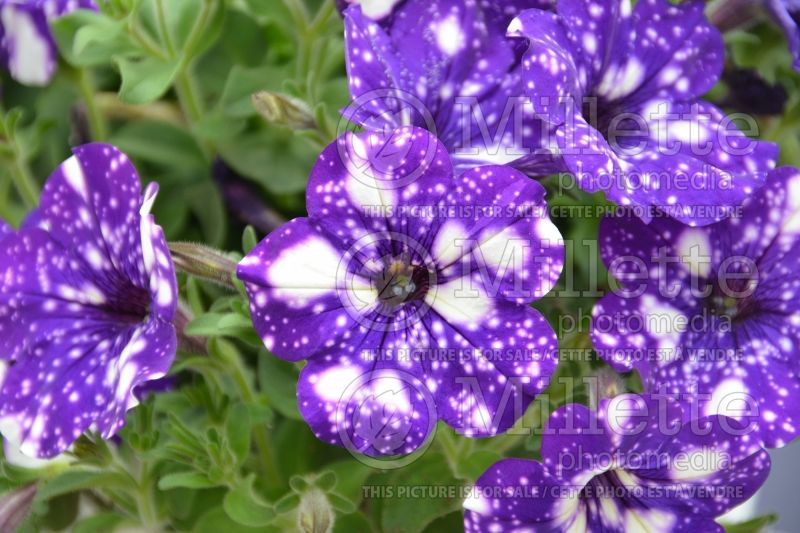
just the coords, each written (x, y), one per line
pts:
(763, 49)
(277, 379)
(217, 127)
(277, 160)
(238, 428)
(352, 522)
(243, 82)
(326, 481)
(189, 480)
(412, 515)
(86, 38)
(98, 522)
(61, 511)
(161, 143)
(752, 526)
(477, 463)
(217, 520)
(170, 210)
(218, 325)
(243, 38)
(287, 503)
(206, 203)
(274, 12)
(244, 507)
(298, 484)
(249, 239)
(352, 476)
(341, 504)
(145, 80)
(77, 480)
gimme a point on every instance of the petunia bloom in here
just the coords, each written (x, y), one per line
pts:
(629, 466)
(86, 304)
(27, 47)
(447, 66)
(712, 315)
(403, 273)
(621, 86)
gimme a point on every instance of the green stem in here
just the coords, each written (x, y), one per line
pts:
(185, 88)
(323, 16)
(146, 42)
(449, 448)
(144, 500)
(265, 456)
(110, 106)
(198, 30)
(299, 13)
(97, 123)
(24, 182)
(162, 25)
(187, 97)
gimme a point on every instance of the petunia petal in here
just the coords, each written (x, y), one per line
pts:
(81, 378)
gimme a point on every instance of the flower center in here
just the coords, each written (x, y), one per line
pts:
(402, 282)
(615, 483)
(130, 304)
(723, 303)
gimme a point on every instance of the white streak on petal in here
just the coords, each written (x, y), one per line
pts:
(694, 251)
(460, 302)
(305, 271)
(450, 243)
(73, 173)
(30, 60)
(331, 384)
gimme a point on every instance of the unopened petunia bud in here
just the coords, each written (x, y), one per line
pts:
(15, 506)
(315, 514)
(282, 109)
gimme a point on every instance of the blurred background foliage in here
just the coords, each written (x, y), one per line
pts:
(223, 448)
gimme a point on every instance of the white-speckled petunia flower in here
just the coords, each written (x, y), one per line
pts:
(447, 66)
(621, 86)
(27, 47)
(632, 465)
(712, 315)
(87, 300)
(404, 271)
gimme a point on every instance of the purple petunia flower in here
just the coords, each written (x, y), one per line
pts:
(86, 304)
(27, 47)
(403, 273)
(712, 314)
(630, 466)
(447, 66)
(620, 86)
